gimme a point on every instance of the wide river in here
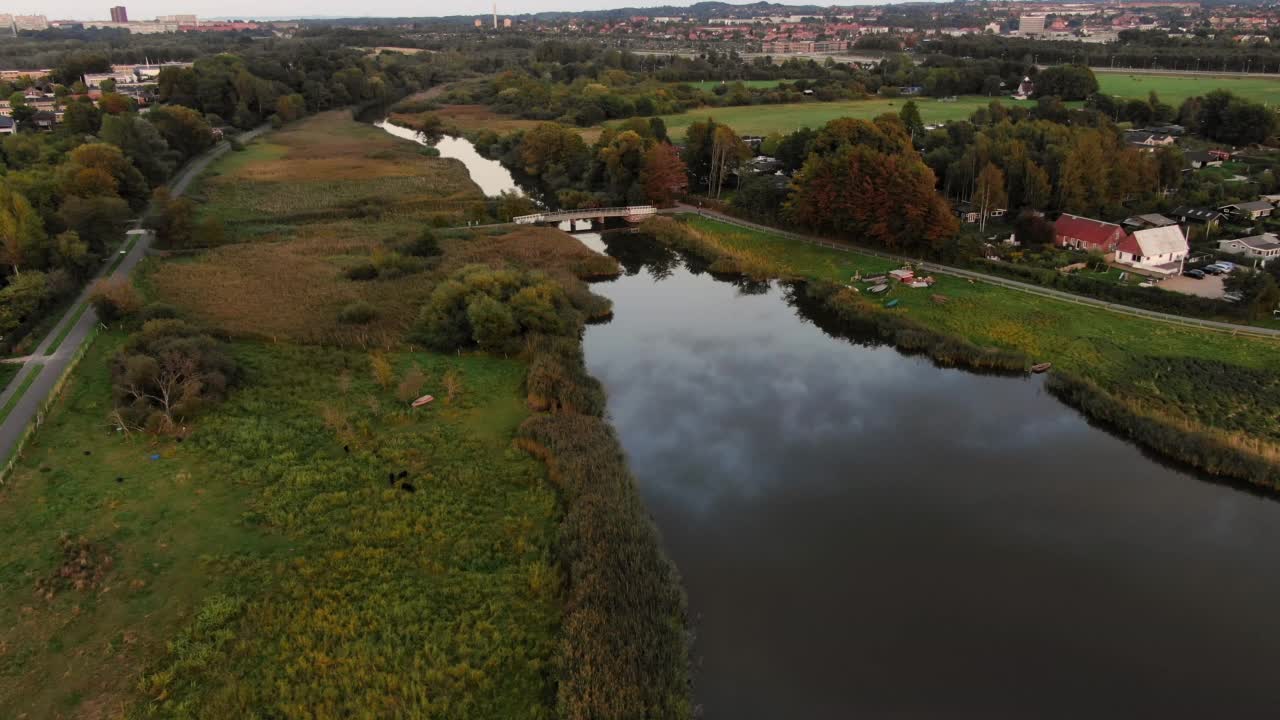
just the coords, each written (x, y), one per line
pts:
(862, 534)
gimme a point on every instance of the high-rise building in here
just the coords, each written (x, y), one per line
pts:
(30, 22)
(1031, 25)
(119, 14)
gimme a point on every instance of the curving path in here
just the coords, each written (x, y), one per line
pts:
(51, 366)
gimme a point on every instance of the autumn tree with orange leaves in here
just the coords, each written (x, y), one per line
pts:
(664, 175)
(868, 185)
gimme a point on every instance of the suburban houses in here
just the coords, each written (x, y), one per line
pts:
(1156, 249)
(1265, 247)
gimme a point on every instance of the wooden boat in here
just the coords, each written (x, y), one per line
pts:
(1041, 367)
(877, 289)
(422, 401)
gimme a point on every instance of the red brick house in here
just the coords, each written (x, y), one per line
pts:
(1083, 233)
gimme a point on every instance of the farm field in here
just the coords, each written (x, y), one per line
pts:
(1115, 351)
(1173, 89)
(263, 564)
(764, 119)
(713, 84)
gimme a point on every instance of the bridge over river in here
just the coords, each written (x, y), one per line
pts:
(630, 213)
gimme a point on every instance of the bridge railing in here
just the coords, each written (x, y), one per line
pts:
(584, 213)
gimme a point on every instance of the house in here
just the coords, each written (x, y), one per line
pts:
(1249, 210)
(1084, 233)
(1148, 140)
(6, 125)
(1138, 222)
(1201, 159)
(1157, 251)
(1264, 247)
(970, 213)
(44, 119)
(1205, 216)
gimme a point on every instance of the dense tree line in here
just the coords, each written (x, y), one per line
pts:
(1140, 51)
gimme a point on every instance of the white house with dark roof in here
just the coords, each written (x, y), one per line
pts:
(1264, 247)
(1154, 251)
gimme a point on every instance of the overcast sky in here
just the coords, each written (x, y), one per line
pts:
(99, 9)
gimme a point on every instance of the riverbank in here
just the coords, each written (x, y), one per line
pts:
(263, 562)
(1201, 397)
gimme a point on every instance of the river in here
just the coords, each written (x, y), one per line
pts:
(489, 175)
(862, 534)
(865, 535)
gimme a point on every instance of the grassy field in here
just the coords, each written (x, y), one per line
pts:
(264, 565)
(1115, 351)
(764, 119)
(1173, 89)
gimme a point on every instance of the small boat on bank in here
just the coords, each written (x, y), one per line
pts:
(892, 303)
(877, 289)
(1041, 367)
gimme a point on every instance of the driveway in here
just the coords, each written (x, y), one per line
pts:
(1209, 287)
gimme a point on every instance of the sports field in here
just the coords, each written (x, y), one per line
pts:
(1173, 89)
(764, 119)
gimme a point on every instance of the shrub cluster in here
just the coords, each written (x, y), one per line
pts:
(495, 310)
(165, 373)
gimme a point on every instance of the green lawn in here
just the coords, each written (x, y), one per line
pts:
(259, 568)
(764, 119)
(1114, 350)
(1173, 89)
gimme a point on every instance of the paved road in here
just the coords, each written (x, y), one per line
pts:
(995, 279)
(55, 364)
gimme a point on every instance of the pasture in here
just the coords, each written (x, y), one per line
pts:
(1173, 89)
(765, 119)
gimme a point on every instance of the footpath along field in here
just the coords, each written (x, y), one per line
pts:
(311, 546)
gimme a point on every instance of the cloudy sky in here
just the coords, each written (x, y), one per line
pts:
(148, 9)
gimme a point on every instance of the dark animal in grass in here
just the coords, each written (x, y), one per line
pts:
(88, 452)
(119, 479)
(407, 487)
(346, 448)
(403, 474)
(391, 478)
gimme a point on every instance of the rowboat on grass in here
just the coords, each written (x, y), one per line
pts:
(877, 289)
(1041, 367)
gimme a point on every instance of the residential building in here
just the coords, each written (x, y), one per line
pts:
(1204, 216)
(29, 22)
(1156, 251)
(119, 14)
(1031, 25)
(1264, 247)
(1150, 220)
(1084, 233)
(6, 125)
(178, 19)
(1148, 140)
(1026, 89)
(1198, 159)
(1249, 210)
(11, 75)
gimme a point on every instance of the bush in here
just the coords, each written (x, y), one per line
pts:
(114, 299)
(494, 310)
(424, 245)
(429, 152)
(165, 373)
(363, 271)
(357, 313)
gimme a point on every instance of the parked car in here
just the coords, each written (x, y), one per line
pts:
(1193, 273)
(1232, 297)
(1215, 269)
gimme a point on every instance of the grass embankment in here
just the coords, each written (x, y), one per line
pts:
(274, 563)
(1203, 397)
